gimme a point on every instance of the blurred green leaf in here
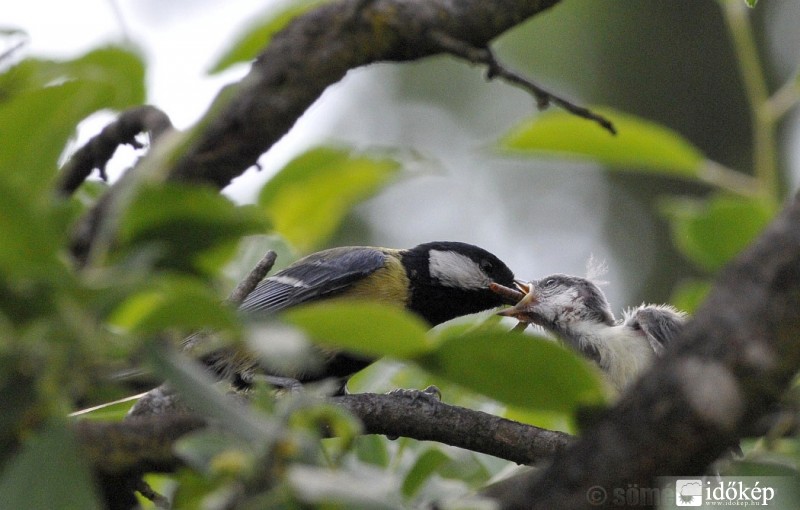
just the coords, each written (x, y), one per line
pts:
(189, 228)
(711, 232)
(689, 294)
(42, 102)
(371, 449)
(364, 327)
(359, 487)
(256, 38)
(519, 370)
(196, 386)
(751, 3)
(640, 145)
(308, 198)
(119, 69)
(203, 449)
(33, 234)
(426, 464)
(50, 471)
(172, 302)
(544, 419)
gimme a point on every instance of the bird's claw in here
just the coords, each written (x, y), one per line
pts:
(429, 394)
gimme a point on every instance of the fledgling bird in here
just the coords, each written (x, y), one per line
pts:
(437, 281)
(577, 311)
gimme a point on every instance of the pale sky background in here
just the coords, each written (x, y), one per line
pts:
(180, 39)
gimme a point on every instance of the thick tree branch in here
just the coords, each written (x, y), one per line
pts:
(144, 443)
(135, 446)
(731, 365)
(315, 51)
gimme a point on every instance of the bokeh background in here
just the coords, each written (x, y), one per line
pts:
(668, 61)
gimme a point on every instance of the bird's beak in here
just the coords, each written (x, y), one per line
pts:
(509, 295)
(525, 297)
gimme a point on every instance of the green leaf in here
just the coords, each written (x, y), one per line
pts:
(49, 471)
(308, 198)
(751, 3)
(689, 294)
(172, 302)
(711, 232)
(640, 145)
(368, 328)
(197, 388)
(33, 233)
(427, 464)
(371, 449)
(45, 100)
(190, 228)
(359, 487)
(120, 70)
(257, 37)
(519, 370)
(203, 449)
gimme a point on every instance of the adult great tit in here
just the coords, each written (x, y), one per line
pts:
(437, 281)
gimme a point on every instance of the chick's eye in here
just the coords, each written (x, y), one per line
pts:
(636, 326)
(549, 282)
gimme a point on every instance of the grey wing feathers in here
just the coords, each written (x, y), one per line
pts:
(316, 276)
(661, 323)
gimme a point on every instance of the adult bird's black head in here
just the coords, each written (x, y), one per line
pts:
(451, 279)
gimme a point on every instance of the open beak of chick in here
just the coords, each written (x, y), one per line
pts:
(524, 298)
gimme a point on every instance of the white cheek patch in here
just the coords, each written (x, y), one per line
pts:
(453, 269)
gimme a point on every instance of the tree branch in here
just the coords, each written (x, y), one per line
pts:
(246, 286)
(315, 51)
(496, 69)
(730, 367)
(144, 443)
(430, 420)
(137, 445)
(98, 151)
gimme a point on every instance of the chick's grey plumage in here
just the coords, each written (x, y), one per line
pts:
(577, 311)
(660, 324)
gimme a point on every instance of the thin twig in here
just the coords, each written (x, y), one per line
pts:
(751, 70)
(495, 69)
(98, 151)
(246, 286)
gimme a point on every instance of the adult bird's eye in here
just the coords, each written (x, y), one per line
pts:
(486, 266)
